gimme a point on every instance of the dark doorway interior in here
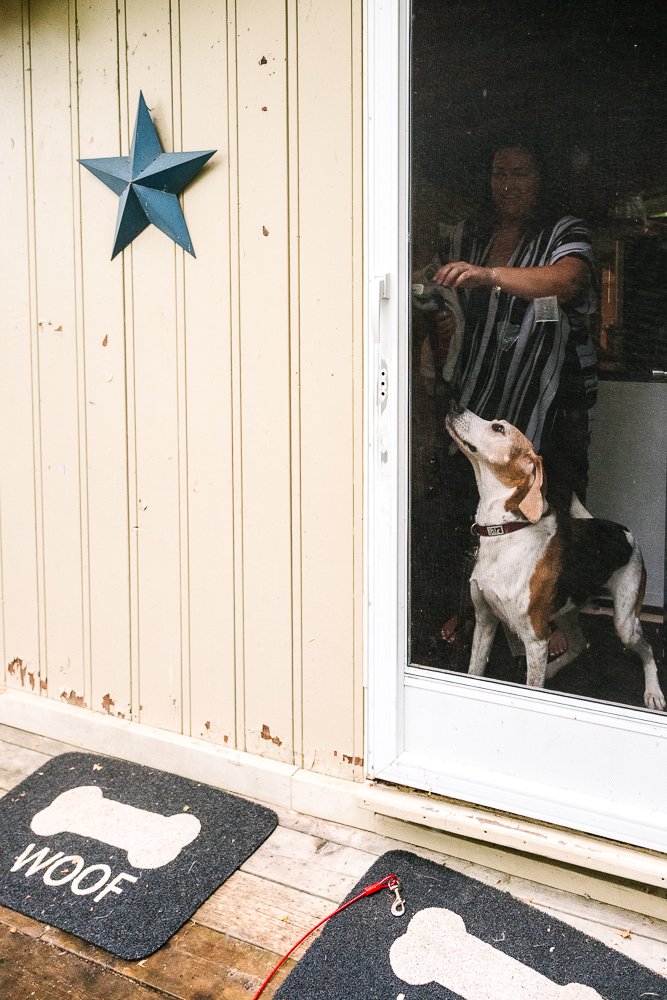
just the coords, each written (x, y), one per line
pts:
(588, 81)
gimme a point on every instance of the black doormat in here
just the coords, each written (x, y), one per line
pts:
(117, 853)
(458, 938)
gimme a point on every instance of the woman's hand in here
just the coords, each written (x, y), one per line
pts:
(460, 274)
(567, 278)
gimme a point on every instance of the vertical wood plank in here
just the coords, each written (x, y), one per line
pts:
(21, 666)
(295, 371)
(79, 332)
(156, 519)
(104, 333)
(330, 366)
(126, 122)
(58, 359)
(235, 355)
(265, 373)
(204, 69)
(359, 769)
(181, 384)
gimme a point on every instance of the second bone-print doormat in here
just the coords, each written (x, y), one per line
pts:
(119, 854)
(458, 938)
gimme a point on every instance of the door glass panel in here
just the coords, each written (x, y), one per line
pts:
(539, 310)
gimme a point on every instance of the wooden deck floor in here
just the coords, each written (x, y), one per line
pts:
(233, 941)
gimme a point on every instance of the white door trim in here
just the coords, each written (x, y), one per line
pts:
(386, 233)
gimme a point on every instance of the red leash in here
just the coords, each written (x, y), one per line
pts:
(398, 907)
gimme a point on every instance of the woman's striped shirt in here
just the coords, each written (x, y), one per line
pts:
(512, 364)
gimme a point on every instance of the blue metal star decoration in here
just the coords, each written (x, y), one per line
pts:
(148, 182)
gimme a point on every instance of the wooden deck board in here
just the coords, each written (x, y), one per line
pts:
(237, 936)
(13, 921)
(263, 913)
(195, 962)
(318, 866)
(19, 738)
(31, 968)
(16, 763)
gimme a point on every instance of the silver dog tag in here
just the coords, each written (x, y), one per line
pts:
(546, 309)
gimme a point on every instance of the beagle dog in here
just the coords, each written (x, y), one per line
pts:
(534, 569)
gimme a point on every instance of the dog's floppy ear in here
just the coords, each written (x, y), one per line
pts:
(531, 505)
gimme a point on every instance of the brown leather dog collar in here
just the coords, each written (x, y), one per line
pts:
(494, 530)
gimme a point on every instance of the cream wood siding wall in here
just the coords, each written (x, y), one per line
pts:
(181, 439)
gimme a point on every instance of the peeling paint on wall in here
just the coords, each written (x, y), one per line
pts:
(212, 733)
(73, 698)
(355, 761)
(266, 735)
(17, 668)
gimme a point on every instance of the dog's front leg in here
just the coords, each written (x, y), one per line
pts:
(486, 624)
(537, 654)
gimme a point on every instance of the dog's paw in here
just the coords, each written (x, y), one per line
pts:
(654, 699)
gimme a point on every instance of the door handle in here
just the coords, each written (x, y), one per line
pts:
(379, 292)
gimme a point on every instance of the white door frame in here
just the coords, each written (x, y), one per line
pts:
(567, 760)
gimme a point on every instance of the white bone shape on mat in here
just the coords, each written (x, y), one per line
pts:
(437, 948)
(151, 840)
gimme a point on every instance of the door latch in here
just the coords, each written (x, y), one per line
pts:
(380, 293)
(383, 385)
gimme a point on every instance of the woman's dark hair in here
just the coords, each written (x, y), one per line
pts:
(549, 205)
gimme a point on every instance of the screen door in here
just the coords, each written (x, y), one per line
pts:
(529, 142)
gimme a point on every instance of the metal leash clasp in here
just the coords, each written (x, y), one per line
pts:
(398, 906)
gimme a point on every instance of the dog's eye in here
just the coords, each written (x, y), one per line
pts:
(498, 428)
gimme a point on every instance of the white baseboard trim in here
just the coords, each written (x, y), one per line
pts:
(363, 805)
(242, 773)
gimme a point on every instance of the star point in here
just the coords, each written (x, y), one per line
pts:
(148, 182)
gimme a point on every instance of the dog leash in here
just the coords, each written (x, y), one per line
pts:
(397, 908)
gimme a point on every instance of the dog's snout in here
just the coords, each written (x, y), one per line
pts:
(456, 408)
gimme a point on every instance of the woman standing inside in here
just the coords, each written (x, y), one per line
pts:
(526, 283)
(526, 279)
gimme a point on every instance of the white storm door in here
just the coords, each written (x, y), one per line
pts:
(582, 763)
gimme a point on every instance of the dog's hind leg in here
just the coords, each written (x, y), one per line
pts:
(627, 586)
(537, 653)
(486, 624)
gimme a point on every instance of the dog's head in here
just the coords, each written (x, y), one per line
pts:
(501, 448)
